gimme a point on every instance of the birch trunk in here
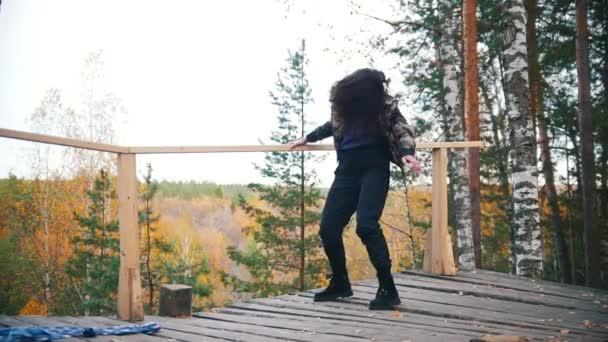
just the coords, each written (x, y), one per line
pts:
(457, 167)
(522, 141)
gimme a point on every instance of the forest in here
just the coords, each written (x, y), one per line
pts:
(528, 77)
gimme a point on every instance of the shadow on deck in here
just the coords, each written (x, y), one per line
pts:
(434, 308)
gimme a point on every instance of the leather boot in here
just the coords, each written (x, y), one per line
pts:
(339, 287)
(386, 296)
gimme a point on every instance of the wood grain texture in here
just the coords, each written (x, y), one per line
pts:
(130, 301)
(462, 307)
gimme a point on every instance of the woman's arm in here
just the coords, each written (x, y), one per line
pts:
(405, 137)
(324, 131)
(403, 133)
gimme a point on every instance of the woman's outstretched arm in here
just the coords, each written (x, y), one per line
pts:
(319, 133)
(324, 131)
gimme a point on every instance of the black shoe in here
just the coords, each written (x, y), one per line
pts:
(386, 297)
(339, 286)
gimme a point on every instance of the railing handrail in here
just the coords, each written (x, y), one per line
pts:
(71, 142)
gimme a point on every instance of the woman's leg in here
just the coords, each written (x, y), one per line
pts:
(372, 197)
(339, 207)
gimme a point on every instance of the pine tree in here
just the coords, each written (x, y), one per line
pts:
(152, 244)
(94, 264)
(592, 246)
(285, 240)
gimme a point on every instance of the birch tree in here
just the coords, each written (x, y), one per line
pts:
(452, 91)
(525, 223)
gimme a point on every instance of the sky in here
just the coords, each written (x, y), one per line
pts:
(187, 72)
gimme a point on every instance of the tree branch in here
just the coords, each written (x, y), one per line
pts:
(394, 228)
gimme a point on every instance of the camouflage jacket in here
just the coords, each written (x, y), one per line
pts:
(400, 135)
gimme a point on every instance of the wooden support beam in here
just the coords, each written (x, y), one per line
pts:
(130, 305)
(441, 260)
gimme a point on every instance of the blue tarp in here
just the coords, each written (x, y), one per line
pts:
(32, 333)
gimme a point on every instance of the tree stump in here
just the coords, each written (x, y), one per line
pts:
(175, 300)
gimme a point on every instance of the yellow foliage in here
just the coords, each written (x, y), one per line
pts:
(33, 307)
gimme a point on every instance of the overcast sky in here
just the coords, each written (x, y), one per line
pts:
(188, 72)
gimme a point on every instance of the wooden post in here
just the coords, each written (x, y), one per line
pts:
(441, 259)
(130, 305)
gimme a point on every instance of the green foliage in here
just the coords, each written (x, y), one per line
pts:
(95, 262)
(192, 189)
(275, 253)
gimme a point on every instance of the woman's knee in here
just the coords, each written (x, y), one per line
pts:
(366, 229)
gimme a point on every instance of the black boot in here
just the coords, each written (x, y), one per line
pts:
(339, 286)
(387, 296)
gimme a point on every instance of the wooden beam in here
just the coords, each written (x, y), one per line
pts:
(278, 148)
(54, 140)
(69, 142)
(130, 305)
(441, 259)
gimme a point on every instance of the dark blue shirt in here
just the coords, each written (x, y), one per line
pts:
(362, 135)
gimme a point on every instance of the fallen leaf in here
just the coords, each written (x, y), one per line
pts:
(396, 314)
(564, 331)
(588, 323)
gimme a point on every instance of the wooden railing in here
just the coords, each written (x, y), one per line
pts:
(438, 256)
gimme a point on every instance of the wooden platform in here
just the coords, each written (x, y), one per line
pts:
(435, 308)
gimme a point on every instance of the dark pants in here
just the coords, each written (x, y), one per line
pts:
(360, 184)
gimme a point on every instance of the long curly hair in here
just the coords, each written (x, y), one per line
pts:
(359, 97)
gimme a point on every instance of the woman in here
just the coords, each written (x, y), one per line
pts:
(369, 132)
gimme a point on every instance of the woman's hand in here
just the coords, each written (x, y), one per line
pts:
(298, 143)
(413, 163)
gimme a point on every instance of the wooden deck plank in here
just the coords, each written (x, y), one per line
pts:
(434, 308)
(439, 306)
(484, 291)
(510, 279)
(352, 311)
(322, 318)
(465, 299)
(474, 299)
(336, 328)
(532, 289)
(269, 330)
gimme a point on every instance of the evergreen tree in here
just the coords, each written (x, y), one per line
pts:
(152, 244)
(285, 240)
(94, 264)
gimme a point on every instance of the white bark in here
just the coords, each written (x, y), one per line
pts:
(452, 80)
(522, 142)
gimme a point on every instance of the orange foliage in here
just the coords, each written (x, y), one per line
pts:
(33, 307)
